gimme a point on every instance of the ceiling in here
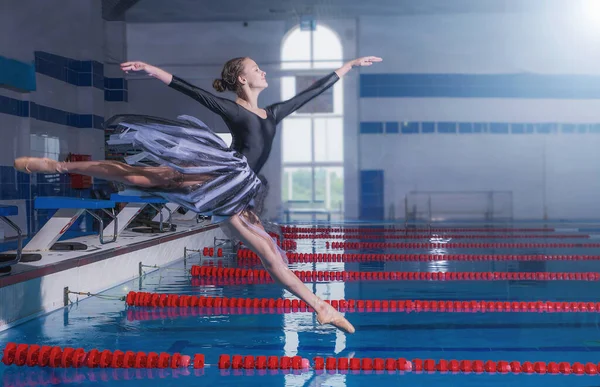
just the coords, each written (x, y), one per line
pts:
(149, 11)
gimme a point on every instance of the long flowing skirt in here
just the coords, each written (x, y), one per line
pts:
(189, 147)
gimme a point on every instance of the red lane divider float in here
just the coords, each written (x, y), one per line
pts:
(314, 275)
(47, 356)
(245, 255)
(280, 305)
(22, 354)
(454, 366)
(237, 362)
(295, 229)
(210, 251)
(430, 236)
(456, 245)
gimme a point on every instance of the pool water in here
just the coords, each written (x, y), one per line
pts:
(106, 323)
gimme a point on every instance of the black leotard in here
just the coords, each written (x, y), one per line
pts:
(253, 135)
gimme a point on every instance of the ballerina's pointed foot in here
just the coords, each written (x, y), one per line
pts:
(335, 318)
(37, 165)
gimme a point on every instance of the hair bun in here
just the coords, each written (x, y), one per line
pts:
(219, 85)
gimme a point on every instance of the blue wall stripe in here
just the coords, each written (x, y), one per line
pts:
(84, 73)
(16, 74)
(371, 195)
(20, 108)
(479, 86)
(371, 127)
(73, 71)
(21, 76)
(476, 127)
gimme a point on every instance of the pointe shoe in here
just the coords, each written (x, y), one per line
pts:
(331, 316)
(37, 165)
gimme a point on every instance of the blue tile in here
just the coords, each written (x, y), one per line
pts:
(569, 128)
(75, 65)
(114, 95)
(98, 81)
(7, 106)
(517, 128)
(371, 194)
(25, 109)
(595, 128)
(114, 83)
(446, 127)
(392, 127)
(546, 128)
(582, 128)
(85, 79)
(97, 68)
(86, 66)
(85, 121)
(388, 92)
(499, 128)
(371, 127)
(73, 120)
(427, 127)
(410, 127)
(9, 177)
(368, 91)
(479, 127)
(51, 58)
(465, 127)
(23, 191)
(98, 122)
(23, 178)
(72, 77)
(60, 116)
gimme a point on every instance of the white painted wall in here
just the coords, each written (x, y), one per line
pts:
(553, 175)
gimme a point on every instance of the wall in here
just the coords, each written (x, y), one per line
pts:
(484, 102)
(54, 92)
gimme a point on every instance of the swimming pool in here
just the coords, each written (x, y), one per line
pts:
(107, 323)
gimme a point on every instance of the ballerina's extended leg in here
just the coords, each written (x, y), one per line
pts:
(247, 228)
(148, 177)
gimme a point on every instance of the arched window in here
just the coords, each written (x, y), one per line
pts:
(312, 141)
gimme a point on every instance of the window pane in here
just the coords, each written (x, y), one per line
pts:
(329, 187)
(329, 139)
(295, 53)
(297, 140)
(327, 49)
(297, 184)
(44, 146)
(288, 87)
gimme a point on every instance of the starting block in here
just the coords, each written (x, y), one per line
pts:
(7, 259)
(69, 209)
(135, 205)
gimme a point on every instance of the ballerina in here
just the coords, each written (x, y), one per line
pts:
(188, 164)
